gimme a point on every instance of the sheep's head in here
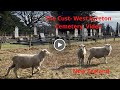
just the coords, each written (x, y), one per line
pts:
(46, 52)
(82, 47)
(108, 47)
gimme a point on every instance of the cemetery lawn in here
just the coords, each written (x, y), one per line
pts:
(61, 64)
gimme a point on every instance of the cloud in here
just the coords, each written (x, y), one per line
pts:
(115, 15)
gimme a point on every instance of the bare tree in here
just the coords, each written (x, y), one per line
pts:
(30, 18)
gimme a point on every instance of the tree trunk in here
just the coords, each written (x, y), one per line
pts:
(30, 39)
(0, 44)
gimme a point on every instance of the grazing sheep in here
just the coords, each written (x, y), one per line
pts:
(81, 54)
(27, 60)
(99, 52)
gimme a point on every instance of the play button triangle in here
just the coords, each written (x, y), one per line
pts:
(59, 44)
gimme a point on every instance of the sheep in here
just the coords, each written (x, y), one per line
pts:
(81, 54)
(27, 60)
(99, 52)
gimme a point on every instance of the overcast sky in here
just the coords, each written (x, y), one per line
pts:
(115, 15)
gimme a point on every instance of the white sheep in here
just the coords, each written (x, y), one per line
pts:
(81, 54)
(99, 52)
(28, 60)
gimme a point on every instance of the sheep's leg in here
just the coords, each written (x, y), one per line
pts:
(38, 69)
(41, 62)
(15, 71)
(105, 60)
(82, 62)
(89, 60)
(32, 71)
(79, 61)
(12, 66)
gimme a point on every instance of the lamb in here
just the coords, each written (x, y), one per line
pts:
(81, 54)
(28, 60)
(99, 52)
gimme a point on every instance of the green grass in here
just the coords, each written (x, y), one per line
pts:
(15, 46)
(12, 46)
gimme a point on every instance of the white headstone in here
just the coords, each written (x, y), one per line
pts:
(111, 33)
(52, 34)
(35, 30)
(16, 32)
(99, 31)
(94, 31)
(56, 31)
(76, 32)
(68, 32)
(85, 32)
(42, 35)
(90, 32)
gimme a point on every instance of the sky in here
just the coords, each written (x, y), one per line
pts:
(115, 15)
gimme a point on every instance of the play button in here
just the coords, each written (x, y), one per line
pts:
(59, 44)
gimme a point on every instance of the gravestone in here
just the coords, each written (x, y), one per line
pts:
(90, 32)
(76, 33)
(111, 34)
(56, 31)
(35, 30)
(68, 32)
(99, 31)
(16, 33)
(94, 32)
(85, 32)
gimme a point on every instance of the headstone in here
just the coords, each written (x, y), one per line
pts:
(76, 33)
(111, 33)
(90, 32)
(68, 32)
(35, 30)
(85, 32)
(99, 31)
(94, 31)
(56, 31)
(16, 32)
(42, 36)
(52, 34)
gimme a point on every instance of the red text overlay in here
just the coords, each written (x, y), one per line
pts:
(77, 18)
(90, 71)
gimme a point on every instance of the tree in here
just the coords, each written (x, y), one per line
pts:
(117, 28)
(31, 18)
(108, 29)
(8, 21)
(103, 27)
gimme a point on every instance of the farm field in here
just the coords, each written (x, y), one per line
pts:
(61, 65)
